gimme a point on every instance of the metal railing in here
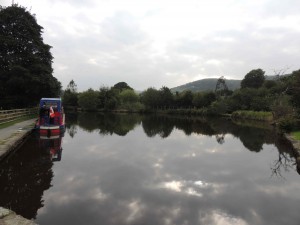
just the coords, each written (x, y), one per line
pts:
(14, 114)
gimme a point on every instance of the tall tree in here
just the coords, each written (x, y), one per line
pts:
(70, 96)
(185, 99)
(150, 98)
(295, 91)
(108, 98)
(253, 79)
(166, 97)
(88, 100)
(128, 96)
(25, 60)
(122, 86)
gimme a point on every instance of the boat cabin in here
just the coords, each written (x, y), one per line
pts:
(51, 116)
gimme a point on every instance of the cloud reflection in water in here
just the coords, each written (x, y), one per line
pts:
(179, 179)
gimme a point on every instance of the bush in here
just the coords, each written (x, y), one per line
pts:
(87, 100)
(287, 124)
(218, 108)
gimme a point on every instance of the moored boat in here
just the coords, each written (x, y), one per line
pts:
(51, 119)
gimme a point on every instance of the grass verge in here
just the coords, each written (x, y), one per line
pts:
(296, 135)
(252, 115)
(21, 119)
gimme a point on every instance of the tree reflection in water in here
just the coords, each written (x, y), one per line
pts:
(26, 174)
(71, 124)
(253, 135)
(286, 157)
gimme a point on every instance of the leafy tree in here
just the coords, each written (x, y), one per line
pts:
(269, 84)
(281, 107)
(88, 100)
(166, 97)
(295, 90)
(204, 99)
(122, 86)
(72, 87)
(128, 96)
(24, 59)
(243, 98)
(150, 98)
(184, 99)
(221, 87)
(103, 97)
(253, 79)
(219, 107)
(70, 96)
(108, 98)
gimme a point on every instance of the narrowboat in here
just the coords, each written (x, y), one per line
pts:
(51, 119)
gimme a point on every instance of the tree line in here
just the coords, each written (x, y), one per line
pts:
(279, 96)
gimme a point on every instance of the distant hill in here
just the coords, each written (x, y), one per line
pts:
(208, 84)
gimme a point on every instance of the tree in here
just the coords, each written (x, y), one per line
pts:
(88, 100)
(72, 87)
(70, 96)
(295, 90)
(24, 58)
(128, 96)
(166, 97)
(150, 97)
(184, 99)
(253, 79)
(243, 98)
(122, 86)
(204, 99)
(221, 87)
(108, 98)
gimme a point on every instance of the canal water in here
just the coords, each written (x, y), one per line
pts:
(116, 169)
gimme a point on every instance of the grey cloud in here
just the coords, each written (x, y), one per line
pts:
(117, 49)
(281, 8)
(123, 28)
(258, 47)
(84, 4)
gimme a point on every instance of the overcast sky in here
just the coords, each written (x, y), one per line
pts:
(155, 43)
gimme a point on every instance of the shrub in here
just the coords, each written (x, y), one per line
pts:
(287, 124)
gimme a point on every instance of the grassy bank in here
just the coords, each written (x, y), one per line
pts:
(252, 115)
(21, 119)
(296, 135)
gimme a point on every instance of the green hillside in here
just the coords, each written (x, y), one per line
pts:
(208, 84)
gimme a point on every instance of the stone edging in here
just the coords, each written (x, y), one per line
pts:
(296, 146)
(8, 217)
(15, 140)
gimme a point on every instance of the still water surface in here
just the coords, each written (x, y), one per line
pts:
(132, 169)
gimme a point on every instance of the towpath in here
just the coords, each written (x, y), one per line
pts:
(14, 135)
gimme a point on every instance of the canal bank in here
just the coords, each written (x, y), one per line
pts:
(8, 217)
(296, 145)
(13, 136)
